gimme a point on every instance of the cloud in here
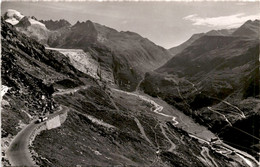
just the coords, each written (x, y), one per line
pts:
(190, 16)
(231, 21)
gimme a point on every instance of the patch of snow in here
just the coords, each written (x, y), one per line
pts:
(13, 16)
(14, 13)
(95, 151)
(12, 21)
(35, 22)
(4, 90)
(4, 103)
(101, 38)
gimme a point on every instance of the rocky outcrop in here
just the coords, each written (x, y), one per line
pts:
(55, 25)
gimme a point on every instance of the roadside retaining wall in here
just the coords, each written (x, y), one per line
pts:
(51, 123)
(63, 117)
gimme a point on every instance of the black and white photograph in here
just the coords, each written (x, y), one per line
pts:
(105, 83)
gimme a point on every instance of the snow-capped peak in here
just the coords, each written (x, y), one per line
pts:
(13, 17)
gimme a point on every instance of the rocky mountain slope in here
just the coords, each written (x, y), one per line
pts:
(31, 75)
(55, 25)
(177, 49)
(126, 133)
(215, 79)
(250, 29)
(126, 54)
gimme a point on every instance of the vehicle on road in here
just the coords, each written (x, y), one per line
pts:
(41, 119)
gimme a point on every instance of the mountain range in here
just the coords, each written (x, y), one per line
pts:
(249, 29)
(129, 101)
(125, 55)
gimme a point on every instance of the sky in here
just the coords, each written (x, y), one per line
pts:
(167, 24)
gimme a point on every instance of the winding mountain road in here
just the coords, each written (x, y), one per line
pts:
(210, 109)
(156, 107)
(173, 146)
(19, 155)
(208, 157)
(247, 158)
(142, 131)
(18, 152)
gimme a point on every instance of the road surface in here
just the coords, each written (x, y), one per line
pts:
(18, 152)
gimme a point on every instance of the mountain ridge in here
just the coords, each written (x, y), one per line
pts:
(249, 28)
